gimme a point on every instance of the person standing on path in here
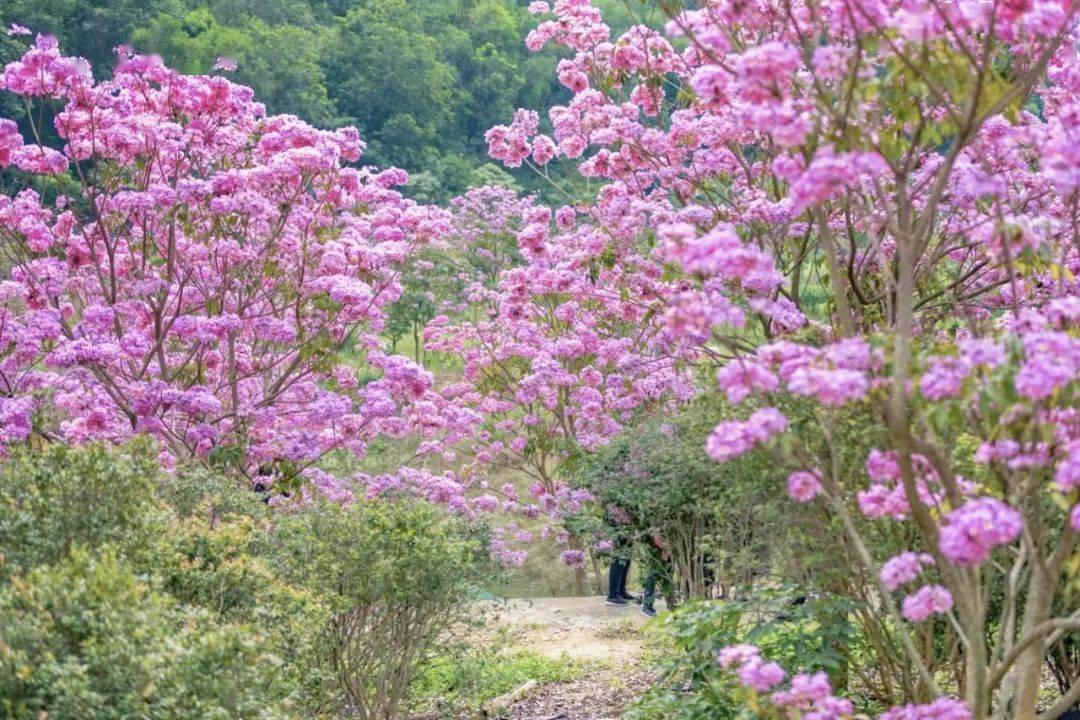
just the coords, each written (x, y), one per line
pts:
(657, 561)
(622, 550)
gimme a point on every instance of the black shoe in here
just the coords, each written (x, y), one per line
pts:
(630, 598)
(648, 611)
(616, 601)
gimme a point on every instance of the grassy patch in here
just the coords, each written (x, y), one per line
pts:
(657, 643)
(623, 628)
(470, 677)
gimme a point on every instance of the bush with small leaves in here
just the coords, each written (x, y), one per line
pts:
(89, 639)
(56, 497)
(397, 574)
(223, 565)
(199, 557)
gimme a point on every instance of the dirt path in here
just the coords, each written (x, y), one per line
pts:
(584, 628)
(606, 641)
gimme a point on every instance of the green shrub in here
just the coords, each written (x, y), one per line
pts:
(722, 525)
(216, 565)
(55, 497)
(397, 574)
(200, 563)
(88, 639)
(808, 637)
(195, 490)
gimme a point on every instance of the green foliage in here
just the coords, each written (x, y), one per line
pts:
(394, 551)
(225, 567)
(396, 574)
(196, 490)
(809, 637)
(87, 638)
(817, 551)
(720, 521)
(271, 12)
(154, 585)
(692, 686)
(737, 521)
(54, 498)
(194, 41)
(388, 77)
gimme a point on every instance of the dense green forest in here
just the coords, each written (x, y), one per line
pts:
(422, 79)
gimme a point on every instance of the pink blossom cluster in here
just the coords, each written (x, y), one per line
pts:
(833, 375)
(829, 174)
(1051, 362)
(804, 485)
(887, 496)
(1067, 476)
(940, 709)
(203, 298)
(810, 695)
(753, 670)
(573, 558)
(903, 568)
(733, 438)
(969, 534)
(926, 601)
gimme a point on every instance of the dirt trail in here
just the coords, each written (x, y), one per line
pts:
(607, 641)
(585, 628)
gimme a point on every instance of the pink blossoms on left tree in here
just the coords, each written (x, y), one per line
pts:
(202, 277)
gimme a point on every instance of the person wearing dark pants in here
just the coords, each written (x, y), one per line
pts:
(617, 573)
(658, 571)
(620, 531)
(648, 607)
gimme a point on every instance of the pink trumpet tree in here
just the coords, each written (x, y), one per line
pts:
(184, 266)
(558, 350)
(873, 204)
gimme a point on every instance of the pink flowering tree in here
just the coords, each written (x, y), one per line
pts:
(866, 206)
(478, 246)
(485, 222)
(202, 275)
(557, 347)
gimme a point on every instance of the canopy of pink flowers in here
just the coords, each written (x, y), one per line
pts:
(195, 285)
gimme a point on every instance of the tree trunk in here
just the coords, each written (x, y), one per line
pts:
(1029, 664)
